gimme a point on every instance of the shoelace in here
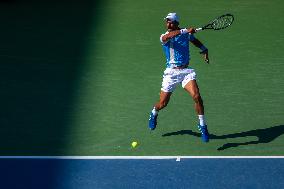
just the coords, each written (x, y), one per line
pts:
(202, 130)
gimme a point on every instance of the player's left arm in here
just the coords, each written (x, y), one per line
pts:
(165, 37)
(203, 49)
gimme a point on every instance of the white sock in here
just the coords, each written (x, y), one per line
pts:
(155, 112)
(201, 120)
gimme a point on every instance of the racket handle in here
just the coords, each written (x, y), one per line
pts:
(198, 29)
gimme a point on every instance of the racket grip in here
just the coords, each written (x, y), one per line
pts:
(198, 29)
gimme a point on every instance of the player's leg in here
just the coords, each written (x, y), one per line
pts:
(170, 81)
(162, 103)
(192, 88)
(164, 100)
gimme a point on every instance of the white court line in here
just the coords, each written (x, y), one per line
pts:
(140, 157)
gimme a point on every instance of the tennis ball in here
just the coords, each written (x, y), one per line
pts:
(134, 144)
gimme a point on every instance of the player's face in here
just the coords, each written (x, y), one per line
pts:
(171, 25)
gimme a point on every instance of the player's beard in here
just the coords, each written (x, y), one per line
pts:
(172, 27)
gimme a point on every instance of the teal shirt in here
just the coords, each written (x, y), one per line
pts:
(177, 50)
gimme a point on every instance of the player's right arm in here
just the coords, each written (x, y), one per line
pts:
(165, 37)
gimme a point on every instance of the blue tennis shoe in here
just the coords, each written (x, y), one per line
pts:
(153, 121)
(204, 133)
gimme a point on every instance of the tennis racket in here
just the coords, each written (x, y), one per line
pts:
(219, 23)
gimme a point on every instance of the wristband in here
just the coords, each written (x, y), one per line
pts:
(183, 31)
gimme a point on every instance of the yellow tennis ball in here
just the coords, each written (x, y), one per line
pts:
(134, 144)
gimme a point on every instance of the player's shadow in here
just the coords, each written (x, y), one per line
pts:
(264, 136)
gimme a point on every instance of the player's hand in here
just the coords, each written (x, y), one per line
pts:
(190, 30)
(206, 56)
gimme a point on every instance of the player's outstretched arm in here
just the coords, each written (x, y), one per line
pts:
(203, 49)
(171, 34)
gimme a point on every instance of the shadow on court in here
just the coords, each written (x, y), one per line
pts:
(42, 54)
(264, 136)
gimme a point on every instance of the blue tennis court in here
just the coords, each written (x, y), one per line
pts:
(68, 173)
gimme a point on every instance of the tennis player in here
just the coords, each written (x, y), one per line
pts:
(175, 43)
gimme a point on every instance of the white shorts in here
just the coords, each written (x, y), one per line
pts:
(173, 77)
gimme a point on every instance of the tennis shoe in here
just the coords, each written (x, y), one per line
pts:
(204, 133)
(153, 121)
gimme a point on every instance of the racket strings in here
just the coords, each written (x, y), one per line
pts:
(222, 22)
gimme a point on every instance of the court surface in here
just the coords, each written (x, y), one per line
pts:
(141, 172)
(79, 78)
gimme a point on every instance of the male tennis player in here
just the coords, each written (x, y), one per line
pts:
(175, 44)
